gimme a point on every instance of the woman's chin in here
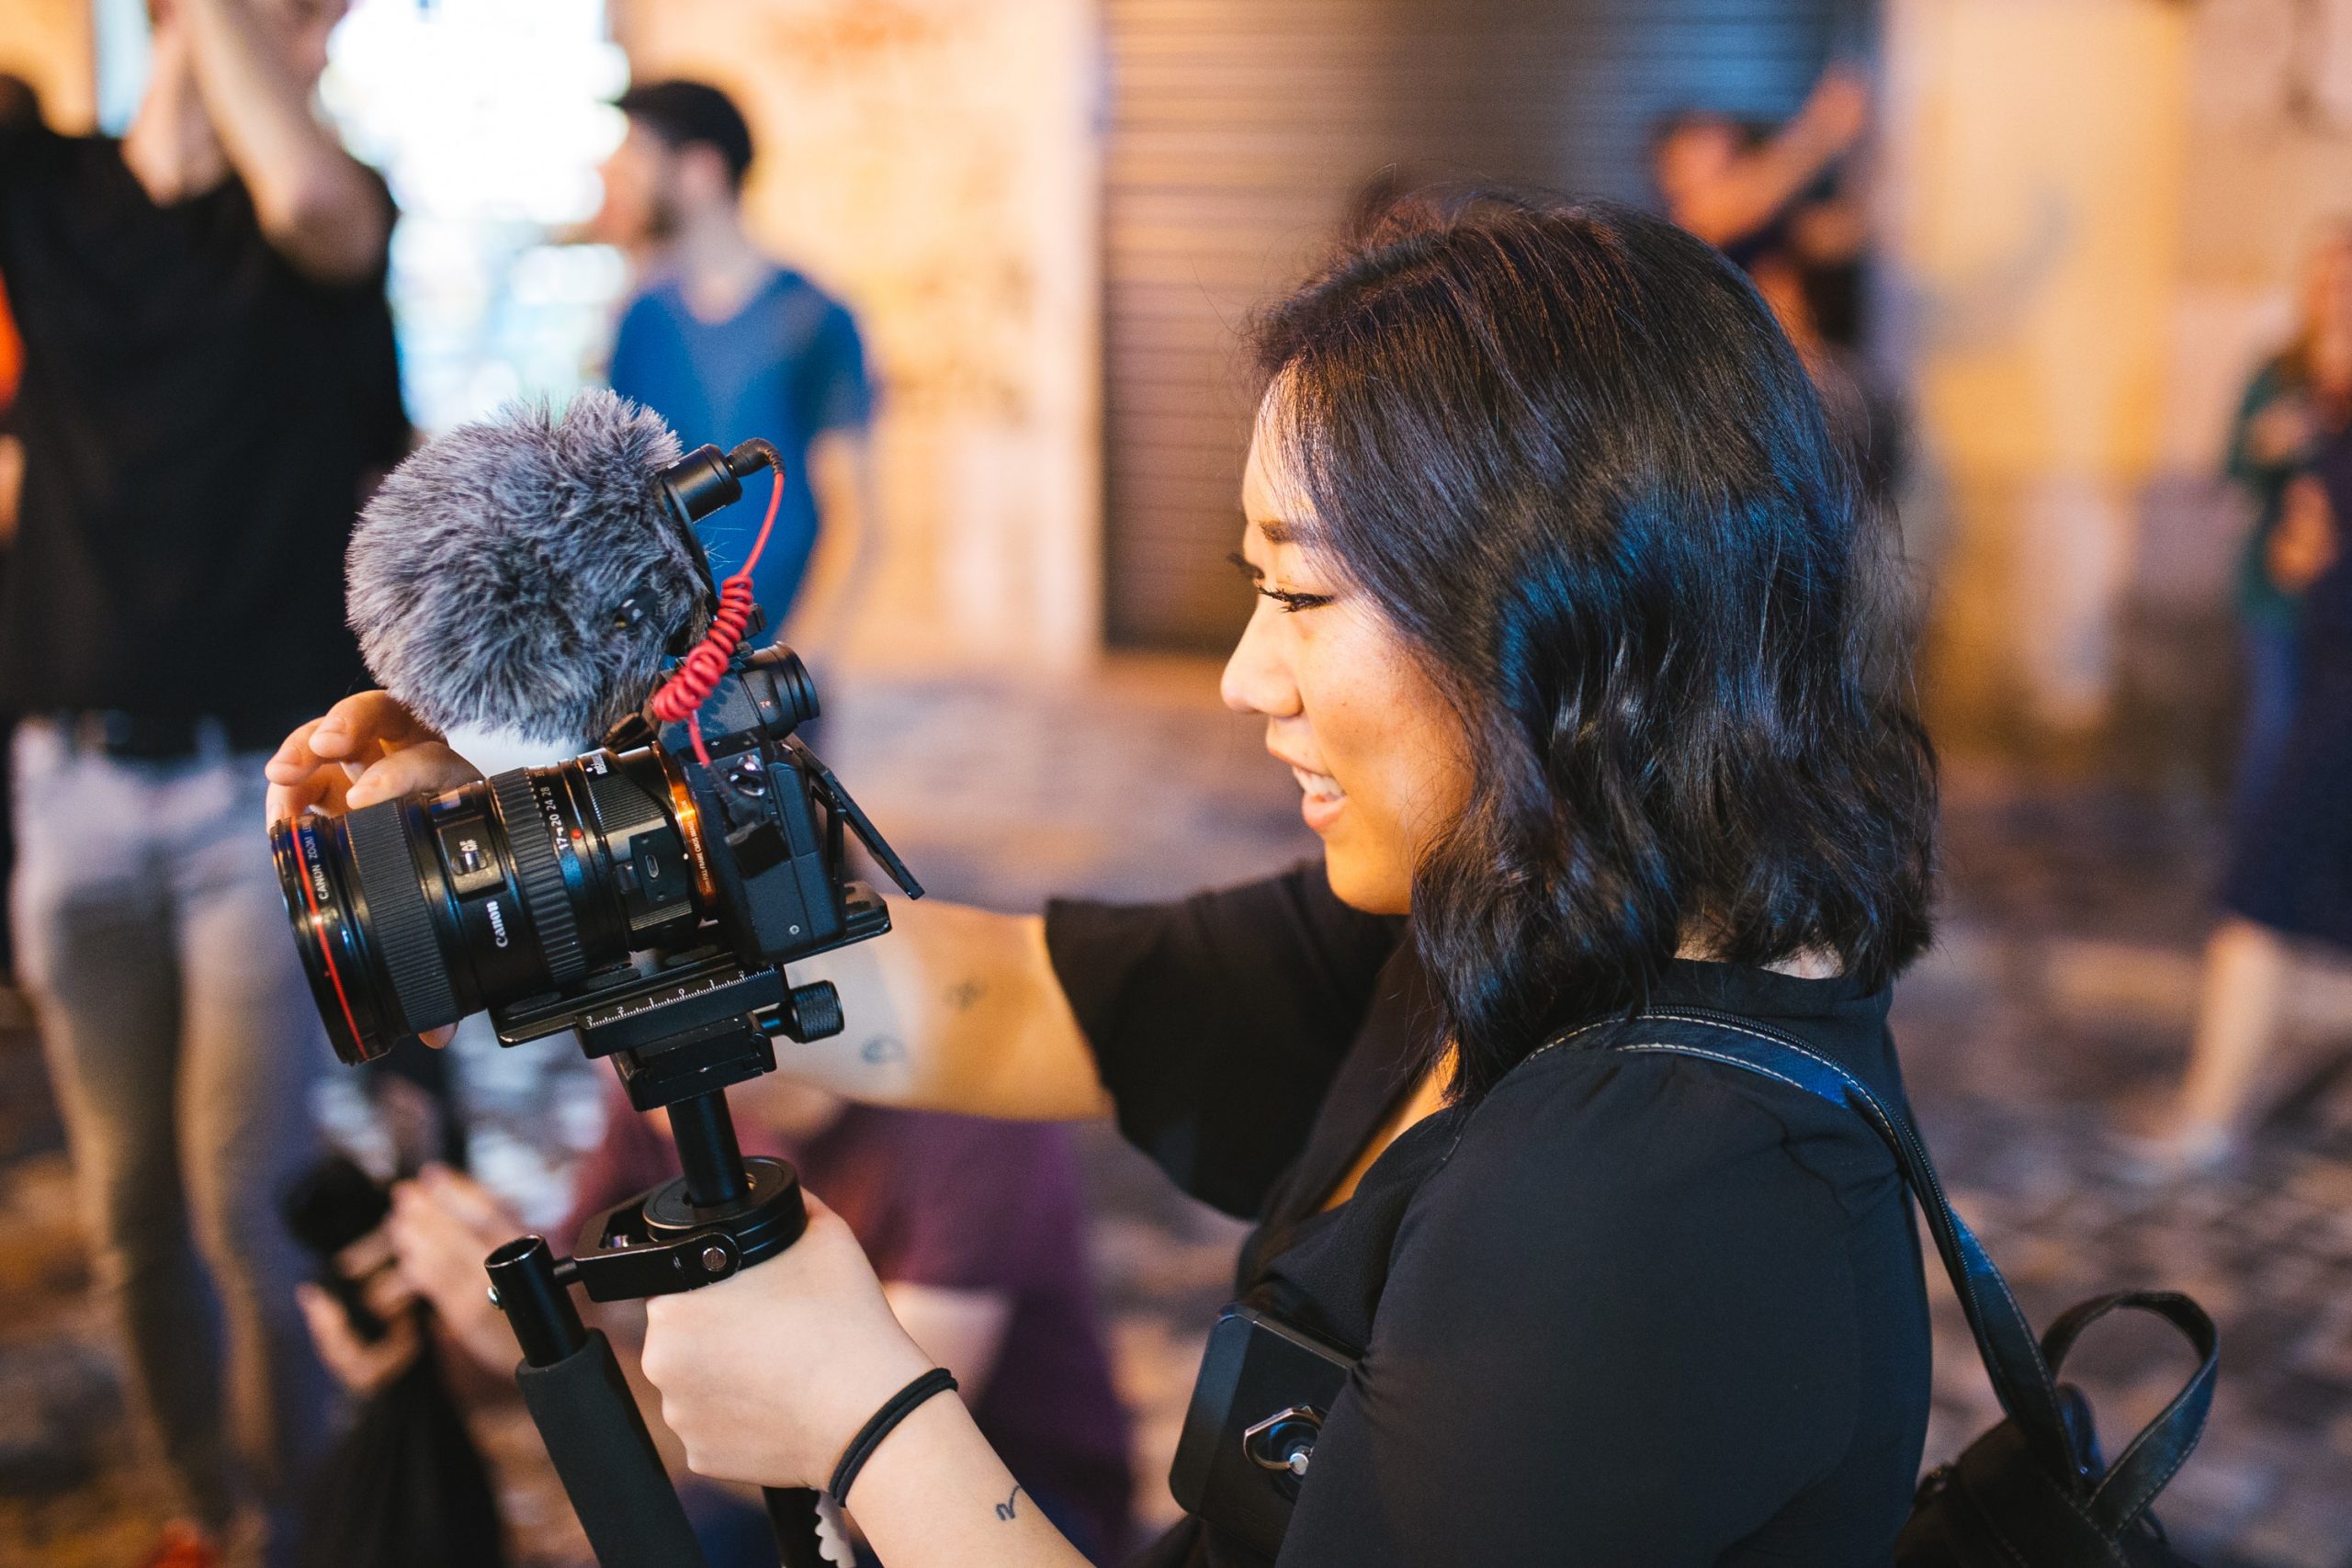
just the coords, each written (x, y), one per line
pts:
(1373, 884)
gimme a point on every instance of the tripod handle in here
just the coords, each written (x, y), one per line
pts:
(792, 1513)
(581, 1404)
(605, 1456)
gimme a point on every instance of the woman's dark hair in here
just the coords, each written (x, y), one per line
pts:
(1568, 452)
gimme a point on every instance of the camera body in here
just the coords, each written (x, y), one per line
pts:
(632, 893)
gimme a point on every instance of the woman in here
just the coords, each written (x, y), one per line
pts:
(1566, 629)
(2288, 438)
(2295, 403)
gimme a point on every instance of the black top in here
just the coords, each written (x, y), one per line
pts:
(1625, 1309)
(198, 419)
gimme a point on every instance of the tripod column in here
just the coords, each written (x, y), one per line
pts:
(707, 1153)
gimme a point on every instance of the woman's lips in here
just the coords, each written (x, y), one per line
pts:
(1322, 800)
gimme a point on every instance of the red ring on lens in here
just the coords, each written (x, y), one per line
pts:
(304, 845)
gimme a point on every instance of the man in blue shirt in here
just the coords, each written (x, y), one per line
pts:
(726, 344)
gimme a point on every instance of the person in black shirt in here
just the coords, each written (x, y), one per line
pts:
(1568, 628)
(208, 384)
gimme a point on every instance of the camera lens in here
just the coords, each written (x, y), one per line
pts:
(412, 913)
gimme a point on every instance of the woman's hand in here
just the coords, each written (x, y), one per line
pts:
(2303, 545)
(365, 749)
(768, 1376)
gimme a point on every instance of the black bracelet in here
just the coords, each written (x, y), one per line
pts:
(883, 1422)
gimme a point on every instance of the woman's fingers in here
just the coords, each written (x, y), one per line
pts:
(313, 765)
(365, 725)
(426, 767)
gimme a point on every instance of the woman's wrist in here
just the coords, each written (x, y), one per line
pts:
(884, 1421)
(935, 1493)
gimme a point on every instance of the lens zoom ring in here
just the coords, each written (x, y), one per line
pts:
(541, 875)
(398, 918)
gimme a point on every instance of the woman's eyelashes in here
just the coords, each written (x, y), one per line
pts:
(1292, 603)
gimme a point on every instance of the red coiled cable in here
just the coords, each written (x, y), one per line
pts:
(690, 686)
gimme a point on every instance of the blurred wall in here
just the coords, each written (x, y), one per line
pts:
(933, 161)
(2099, 208)
(1240, 131)
(2037, 157)
(46, 42)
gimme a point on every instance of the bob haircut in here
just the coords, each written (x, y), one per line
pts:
(1568, 453)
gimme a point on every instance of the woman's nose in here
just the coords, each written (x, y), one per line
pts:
(1257, 679)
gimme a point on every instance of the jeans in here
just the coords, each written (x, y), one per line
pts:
(183, 1044)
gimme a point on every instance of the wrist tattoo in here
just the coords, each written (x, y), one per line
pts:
(883, 1048)
(1004, 1510)
(964, 993)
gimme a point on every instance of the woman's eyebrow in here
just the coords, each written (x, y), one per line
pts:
(1276, 531)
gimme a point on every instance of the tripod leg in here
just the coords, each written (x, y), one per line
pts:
(792, 1512)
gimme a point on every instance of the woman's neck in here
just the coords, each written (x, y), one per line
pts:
(1808, 963)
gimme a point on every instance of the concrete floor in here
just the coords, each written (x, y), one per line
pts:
(2054, 1005)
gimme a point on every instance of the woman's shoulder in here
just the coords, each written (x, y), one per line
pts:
(1585, 1134)
(1621, 1194)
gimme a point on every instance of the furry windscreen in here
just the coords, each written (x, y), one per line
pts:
(523, 574)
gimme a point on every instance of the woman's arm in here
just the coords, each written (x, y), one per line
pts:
(767, 1377)
(2271, 433)
(956, 1009)
(2303, 546)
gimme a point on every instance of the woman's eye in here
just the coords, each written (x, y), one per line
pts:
(1293, 603)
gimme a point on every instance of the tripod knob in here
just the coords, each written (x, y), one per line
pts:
(813, 1012)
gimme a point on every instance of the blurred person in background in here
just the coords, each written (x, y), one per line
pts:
(975, 1228)
(1779, 200)
(2298, 400)
(209, 385)
(2290, 855)
(725, 344)
(2297, 409)
(1789, 204)
(19, 104)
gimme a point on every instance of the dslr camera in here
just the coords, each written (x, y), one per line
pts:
(634, 894)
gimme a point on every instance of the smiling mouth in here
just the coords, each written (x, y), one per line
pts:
(1319, 786)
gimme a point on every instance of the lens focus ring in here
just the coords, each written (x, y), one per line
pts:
(541, 875)
(397, 914)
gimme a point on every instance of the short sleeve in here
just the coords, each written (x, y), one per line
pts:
(834, 391)
(1663, 1350)
(1219, 1022)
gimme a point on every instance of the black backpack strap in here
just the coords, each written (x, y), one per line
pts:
(2142, 1469)
(2021, 1377)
